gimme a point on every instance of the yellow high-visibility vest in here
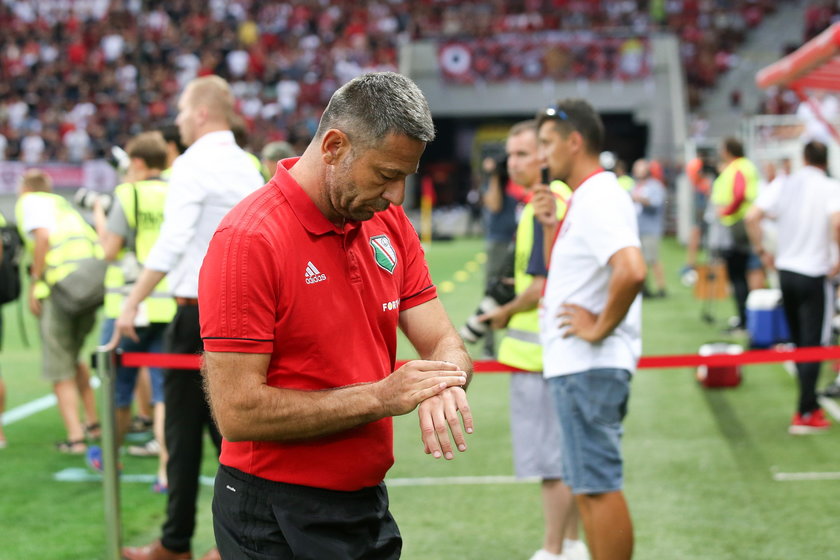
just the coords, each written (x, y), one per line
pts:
(723, 189)
(521, 346)
(70, 241)
(145, 220)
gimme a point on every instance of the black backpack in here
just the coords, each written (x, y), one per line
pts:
(10, 264)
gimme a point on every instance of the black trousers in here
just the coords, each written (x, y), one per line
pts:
(805, 299)
(736, 268)
(187, 414)
(260, 519)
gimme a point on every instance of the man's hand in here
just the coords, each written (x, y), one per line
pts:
(579, 322)
(769, 262)
(124, 326)
(545, 205)
(498, 318)
(34, 303)
(416, 381)
(438, 416)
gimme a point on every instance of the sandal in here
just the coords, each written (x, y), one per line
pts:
(93, 431)
(70, 447)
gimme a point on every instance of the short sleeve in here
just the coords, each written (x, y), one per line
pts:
(417, 285)
(613, 226)
(36, 215)
(768, 198)
(117, 222)
(238, 291)
(536, 262)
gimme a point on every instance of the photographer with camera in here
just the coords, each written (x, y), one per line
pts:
(534, 422)
(127, 233)
(501, 198)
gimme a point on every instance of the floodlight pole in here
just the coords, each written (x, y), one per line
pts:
(106, 369)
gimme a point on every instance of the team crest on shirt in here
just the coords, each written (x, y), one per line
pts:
(383, 253)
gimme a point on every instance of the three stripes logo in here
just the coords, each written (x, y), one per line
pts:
(313, 275)
(383, 253)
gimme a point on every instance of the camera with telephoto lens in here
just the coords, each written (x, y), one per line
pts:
(499, 292)
(85, 198)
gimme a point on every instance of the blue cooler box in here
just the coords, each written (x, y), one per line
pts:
(766, 321)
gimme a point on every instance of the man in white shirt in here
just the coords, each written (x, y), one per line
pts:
(209, 179)
(806, 209)
(591, 319)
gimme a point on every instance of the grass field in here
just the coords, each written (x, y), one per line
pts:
(700, 464)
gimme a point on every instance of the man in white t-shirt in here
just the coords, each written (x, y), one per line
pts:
(806, 208)
(591, 319)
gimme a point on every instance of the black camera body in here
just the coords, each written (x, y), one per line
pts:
(499, 293)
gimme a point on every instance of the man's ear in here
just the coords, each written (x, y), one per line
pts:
(334, 146)
(576, 141)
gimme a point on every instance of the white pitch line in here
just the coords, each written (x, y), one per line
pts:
(86, 475)
(831, 407)
(458, 480)
(34, 407)
(805, 476)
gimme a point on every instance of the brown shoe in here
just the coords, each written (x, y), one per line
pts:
(212, 554)
(154, 551)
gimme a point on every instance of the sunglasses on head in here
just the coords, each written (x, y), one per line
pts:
(555, 112)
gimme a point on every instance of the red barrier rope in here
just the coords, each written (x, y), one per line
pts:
(810, 354)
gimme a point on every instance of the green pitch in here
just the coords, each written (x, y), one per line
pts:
(703, 468)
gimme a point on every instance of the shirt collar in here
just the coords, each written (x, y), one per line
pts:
(218, 137)
(307, 212)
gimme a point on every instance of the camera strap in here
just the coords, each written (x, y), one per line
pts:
(136, 216)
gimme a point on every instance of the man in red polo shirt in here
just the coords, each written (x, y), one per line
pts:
(300, 296)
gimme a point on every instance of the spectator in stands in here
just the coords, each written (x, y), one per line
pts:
(733, 192)
(650, 195)
(206, 182)
(807, 210)
(46, 221)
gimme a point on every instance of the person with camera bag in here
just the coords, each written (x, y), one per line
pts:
(57, 241)
(534, 424)
(127, 232)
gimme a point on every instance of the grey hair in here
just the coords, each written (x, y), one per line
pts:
(372, 106)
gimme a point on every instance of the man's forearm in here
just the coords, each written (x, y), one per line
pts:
(144, 286)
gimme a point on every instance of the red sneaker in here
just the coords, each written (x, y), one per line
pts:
(809, 423)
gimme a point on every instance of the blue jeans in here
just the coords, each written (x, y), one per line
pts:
(591, 405)
(151, 340)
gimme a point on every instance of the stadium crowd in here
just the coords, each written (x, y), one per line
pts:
(79, 77)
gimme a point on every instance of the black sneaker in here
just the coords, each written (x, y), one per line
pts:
(140, 424)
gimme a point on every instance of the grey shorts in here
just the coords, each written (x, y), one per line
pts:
(62, 338)
(534, 428)
(650, 248)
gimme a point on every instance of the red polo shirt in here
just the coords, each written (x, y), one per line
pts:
(280, 279)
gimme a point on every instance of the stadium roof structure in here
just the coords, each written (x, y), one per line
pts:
(813, 66)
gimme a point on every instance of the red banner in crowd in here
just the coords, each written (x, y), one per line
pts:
(537, 56)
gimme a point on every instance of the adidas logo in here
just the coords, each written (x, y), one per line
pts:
(313, 275)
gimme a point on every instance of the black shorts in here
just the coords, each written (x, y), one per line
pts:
(260, 519)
